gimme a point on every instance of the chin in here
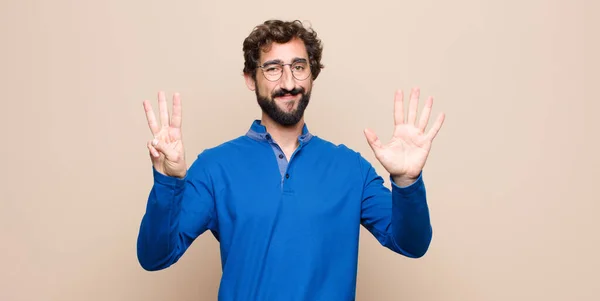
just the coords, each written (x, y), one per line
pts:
(284, 107)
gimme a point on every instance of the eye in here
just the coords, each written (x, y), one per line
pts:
(299, 66)
(272, 68)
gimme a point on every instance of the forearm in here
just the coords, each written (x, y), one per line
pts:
(158, 244)
(411, 225)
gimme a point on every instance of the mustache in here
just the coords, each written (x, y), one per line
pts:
(284, 92)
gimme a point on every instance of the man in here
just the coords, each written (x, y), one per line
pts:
(286, 206)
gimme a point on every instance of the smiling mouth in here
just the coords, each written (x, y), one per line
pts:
(287, 97)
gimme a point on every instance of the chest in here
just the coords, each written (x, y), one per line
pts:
(304, 191)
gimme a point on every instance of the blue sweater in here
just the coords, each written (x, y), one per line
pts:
(287, 229)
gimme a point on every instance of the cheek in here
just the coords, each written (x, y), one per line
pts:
(265, 89)
(307, 87)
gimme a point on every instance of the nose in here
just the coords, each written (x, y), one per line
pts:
(287, 79)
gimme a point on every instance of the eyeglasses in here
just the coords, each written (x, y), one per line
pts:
(272, 71)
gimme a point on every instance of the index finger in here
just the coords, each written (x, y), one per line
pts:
(151, 118)
(435, 128)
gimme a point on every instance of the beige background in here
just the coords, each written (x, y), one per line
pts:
(511, 178)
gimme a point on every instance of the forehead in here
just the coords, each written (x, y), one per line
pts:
(286, 52)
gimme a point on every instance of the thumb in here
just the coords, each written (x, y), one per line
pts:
(160, 146)
(372, 139)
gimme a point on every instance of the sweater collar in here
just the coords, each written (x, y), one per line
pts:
(259, 132)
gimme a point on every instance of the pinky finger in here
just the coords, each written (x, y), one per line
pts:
(435, 128)
(153, 152)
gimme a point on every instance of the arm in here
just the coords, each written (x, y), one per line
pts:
(181, 203)
(399, 219)
(177, 212)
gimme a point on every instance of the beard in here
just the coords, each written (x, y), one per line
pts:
(286, 119)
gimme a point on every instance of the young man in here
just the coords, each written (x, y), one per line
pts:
(286, 206)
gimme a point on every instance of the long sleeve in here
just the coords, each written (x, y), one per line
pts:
(398, 218)
(177, 212)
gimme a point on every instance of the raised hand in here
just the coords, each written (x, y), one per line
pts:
(404, 156)
(166, 148)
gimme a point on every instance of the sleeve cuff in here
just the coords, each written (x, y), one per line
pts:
(418, 184)
(167, 180)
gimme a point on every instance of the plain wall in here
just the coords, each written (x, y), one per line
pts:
(511, 177)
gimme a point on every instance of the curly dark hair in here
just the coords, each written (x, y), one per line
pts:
(263, 35)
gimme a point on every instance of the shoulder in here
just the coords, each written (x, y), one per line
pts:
(342, 152)
(336, 150)
(214, 155)
(239, 144)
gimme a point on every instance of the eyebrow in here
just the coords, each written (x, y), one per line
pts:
(278, 61)
(299, 59)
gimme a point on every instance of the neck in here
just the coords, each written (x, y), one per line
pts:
(286, 137)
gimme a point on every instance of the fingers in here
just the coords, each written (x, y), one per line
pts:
(163, 110)
(176, 117)
(399, 107)
(372, 139)
(435, 128)
(158, 145)
(150, 117)
(153, 152)
(425, 114)
(413, 105)
(169, 152)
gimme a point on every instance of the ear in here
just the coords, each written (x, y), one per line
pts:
(250, 83)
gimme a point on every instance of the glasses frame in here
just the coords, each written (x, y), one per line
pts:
(261, 67)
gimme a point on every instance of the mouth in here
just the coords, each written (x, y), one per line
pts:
(287, 97)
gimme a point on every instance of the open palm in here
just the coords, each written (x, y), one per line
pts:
(166, 148)
(404, 156)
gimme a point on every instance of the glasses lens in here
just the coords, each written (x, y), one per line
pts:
(301, 70)
(272, 71)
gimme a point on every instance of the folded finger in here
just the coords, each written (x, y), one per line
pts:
(153, 151)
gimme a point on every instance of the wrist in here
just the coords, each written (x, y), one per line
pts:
(404, 180)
